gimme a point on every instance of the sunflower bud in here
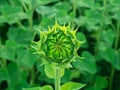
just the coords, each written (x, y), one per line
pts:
(59, 44)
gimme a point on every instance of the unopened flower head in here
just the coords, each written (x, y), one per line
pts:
(59, 44)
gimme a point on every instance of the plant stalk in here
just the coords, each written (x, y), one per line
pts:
(111, 77)
(115, 47)
(57, 78)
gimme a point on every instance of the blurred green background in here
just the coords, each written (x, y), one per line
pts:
(98, 23)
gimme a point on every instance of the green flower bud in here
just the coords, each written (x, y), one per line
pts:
(59, 44)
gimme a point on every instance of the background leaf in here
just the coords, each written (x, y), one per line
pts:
(50, 71)
(87, 64)
(72, 86)
(3, 74)
(36, 88)
(20, 36)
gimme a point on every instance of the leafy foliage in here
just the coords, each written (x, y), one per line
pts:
(98, 23)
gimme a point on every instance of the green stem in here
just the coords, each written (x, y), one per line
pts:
(117, 35)
(111, 78)
(102, 27)
(74, 6)
(20, 25)
(30, 22)
(1, 64)
(57, 78)
(115, 47)
(30, 11)
(32, 76)
(24, 6)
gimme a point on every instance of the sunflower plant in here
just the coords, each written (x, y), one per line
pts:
(58, 46)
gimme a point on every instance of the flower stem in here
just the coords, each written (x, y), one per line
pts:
(57, 78)
(111, 77)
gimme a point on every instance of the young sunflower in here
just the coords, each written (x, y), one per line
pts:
(58, 45)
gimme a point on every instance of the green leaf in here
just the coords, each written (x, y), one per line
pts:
(43, 2)
(12, 9)
(45, 23)
(42, 77)
(92, 19)
(2, 19)
(112, 56)
(87, 64)
(100, 82)
(117, 15)
(21, 84)
(81, 21)
(46, 11)
(50, 71)
(72, 86)
(3, 74)
(108, 54)
(26, 58)
(62, 8)
(8, 51)
(69, 75)
(35, 88)
(14, 75)
(21, 37)
(81, 37)
(62, 12)
(85, 3)
(108, 37)
(13, 14)
(46, 87)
